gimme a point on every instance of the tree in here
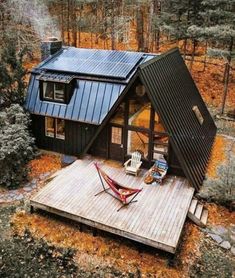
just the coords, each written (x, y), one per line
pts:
(219, 29)
(16, 145)
(12, 74)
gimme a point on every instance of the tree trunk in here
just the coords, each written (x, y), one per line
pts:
(227, 72)
(193, 54)
(139, 28)
(68, 23)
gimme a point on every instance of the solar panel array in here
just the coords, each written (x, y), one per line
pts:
(105, 63)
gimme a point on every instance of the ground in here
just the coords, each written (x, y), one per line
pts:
(43, 245)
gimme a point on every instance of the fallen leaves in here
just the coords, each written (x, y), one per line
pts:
(217, 156)
(105, 251)
(219, 215)
(44, 164)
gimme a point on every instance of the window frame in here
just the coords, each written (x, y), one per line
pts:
(55, 135)
(54, 98)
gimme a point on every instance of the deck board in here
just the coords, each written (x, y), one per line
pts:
(157, 218)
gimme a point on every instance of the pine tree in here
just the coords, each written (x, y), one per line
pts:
(219, 29)
(16, 145)
(12, 74)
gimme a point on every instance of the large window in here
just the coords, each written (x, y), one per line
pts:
(118, 117)
(139, 113)
(54, 91)
(138, 141)
(55, 128)
(160, 138)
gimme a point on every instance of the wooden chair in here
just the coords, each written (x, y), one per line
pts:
(159, 170)
(132, 165)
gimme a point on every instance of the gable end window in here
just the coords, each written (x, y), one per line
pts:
(55, 128)
(53, 91)
(198, 114)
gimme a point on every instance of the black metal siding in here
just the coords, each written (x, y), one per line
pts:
(77, 136)
(173, 93)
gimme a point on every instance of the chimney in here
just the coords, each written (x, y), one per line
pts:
(49, 47)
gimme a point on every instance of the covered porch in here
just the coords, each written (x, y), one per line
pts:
(156, 219)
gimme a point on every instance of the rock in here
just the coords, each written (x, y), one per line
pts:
(44, 176)
(19, 197)
(27, 188)
(226, 245)
(216, 238)
(34, 181)
(233, 250)
(220, 230)
(67, 160)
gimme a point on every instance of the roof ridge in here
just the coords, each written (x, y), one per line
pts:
(159, 57)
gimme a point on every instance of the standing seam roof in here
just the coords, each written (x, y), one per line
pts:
(173, 94)
(90, 103)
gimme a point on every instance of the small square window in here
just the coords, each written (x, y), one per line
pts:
(53, 91)
(198, 114)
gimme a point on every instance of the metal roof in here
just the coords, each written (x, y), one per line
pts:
(174, 94)
(90, 103)
(93, 62)
(56, 77)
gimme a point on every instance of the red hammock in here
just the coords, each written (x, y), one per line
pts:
(122, 193)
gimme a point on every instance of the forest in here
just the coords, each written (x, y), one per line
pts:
(42, 245)
(203, 30)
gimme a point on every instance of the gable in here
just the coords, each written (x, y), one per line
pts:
(174, 96)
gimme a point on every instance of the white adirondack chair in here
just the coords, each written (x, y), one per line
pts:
(132, 165)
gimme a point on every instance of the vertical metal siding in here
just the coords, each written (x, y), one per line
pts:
(173, 94)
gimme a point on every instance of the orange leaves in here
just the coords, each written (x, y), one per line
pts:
(217, 156)
(102, 250)
(219, 215)
(43, 164)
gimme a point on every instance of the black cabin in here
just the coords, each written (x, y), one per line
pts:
(111, 103)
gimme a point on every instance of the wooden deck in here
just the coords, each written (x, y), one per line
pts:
(157, 219)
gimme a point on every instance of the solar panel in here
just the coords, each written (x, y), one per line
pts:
(105, 63)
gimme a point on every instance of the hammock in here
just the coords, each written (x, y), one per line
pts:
(122, 193)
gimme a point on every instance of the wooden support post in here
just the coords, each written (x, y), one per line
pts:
(94, 232)
(31, 210)
(80, 227)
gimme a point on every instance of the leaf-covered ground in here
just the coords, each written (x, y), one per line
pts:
(43, 245)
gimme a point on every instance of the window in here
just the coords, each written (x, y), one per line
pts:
(160, 139)
(198, 114)
(50, 127)
(158, 127)
(54, 91)
(138, 141)
(118, 117)
(116, 136)
(60, 129)
(55, 128)
(139, 113)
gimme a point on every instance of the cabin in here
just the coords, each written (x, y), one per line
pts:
(104, 105)
(111, 103)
